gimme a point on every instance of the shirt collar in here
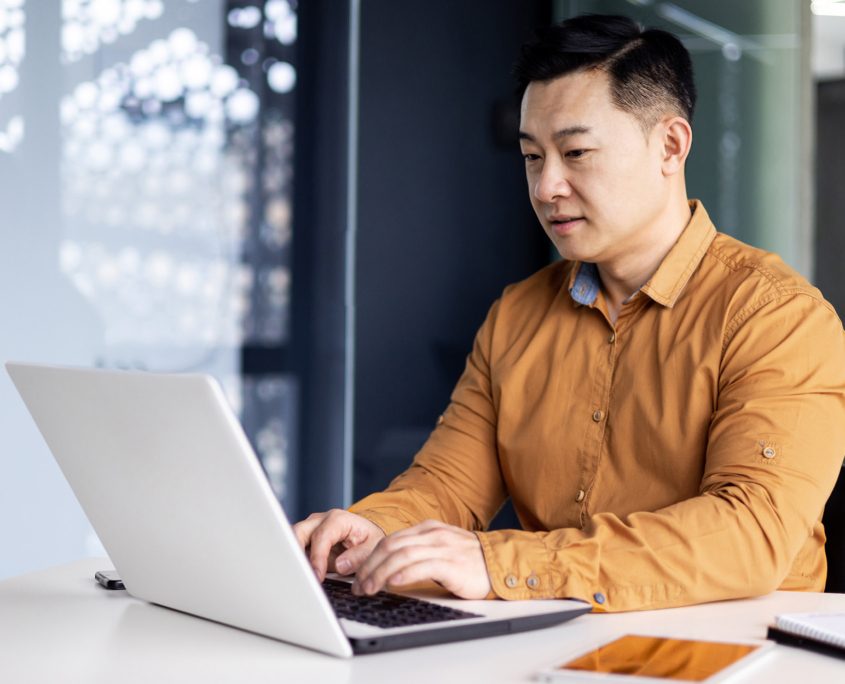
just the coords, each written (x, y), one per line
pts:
(671, 277)
(584, 283)
(666, 284)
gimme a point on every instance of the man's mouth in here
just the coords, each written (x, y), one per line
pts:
(564, 224)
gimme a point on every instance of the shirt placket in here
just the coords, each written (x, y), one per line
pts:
(606, 358)
(605, 361)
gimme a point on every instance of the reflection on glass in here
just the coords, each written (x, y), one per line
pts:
(154, 202)
(261, 42)
(12, 51)
(176, 191)
(269, 415)
(86, 24)
(674, 659)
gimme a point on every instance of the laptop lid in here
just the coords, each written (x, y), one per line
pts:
(167, 478)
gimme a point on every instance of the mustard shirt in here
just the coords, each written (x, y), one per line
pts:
(683, 455)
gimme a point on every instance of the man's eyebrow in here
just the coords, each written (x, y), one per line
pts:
(572, 130)
(562, 133)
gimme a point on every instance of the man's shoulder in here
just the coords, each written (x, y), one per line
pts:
(523, 305)
(543, 285)
(755, 274)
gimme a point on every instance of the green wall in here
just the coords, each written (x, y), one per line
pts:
(748, 163)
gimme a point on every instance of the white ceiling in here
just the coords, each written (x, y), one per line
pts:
(828, 47)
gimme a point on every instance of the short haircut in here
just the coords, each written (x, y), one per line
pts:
(650, 71)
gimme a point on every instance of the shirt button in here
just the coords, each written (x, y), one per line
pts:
(533, 582)
(768, 452)
(612, 338)
(597, 416)
(440, 420)
(598, 597)
(510, 580)
(580, 497)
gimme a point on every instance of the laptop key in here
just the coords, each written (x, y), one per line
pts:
(387, 610)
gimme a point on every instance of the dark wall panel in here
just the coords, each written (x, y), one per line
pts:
(444, 220)
(830, 247)
(318, 339)
(830, 192)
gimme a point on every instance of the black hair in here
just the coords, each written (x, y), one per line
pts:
(650, 70)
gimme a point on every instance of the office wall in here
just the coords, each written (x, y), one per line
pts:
(42, 317)
(147, 175)
(85, 156)
(444, 221)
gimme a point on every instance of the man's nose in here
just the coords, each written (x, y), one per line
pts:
(552, 183)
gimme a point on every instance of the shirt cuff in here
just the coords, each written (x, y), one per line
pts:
(519, 568)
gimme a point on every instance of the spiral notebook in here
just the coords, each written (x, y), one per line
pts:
(821, 632)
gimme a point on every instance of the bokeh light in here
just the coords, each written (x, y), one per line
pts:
(12, 52)
(281, 21)
(281, 77)
(176, 191)
(244, 17)
(86, 24)
(145, 161)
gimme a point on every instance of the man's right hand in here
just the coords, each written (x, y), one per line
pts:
(337, 541)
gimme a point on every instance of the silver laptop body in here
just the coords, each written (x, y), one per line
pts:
(170, 483)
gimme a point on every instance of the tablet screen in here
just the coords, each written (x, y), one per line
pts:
(659, 658)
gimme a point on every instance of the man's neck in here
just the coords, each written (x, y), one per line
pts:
(622, 277)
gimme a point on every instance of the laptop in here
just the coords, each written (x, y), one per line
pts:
(169, 481)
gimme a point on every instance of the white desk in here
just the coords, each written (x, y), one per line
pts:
(59, 625)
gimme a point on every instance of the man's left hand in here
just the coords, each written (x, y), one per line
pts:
(430, 550)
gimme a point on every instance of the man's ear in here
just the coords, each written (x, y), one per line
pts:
(676, 141)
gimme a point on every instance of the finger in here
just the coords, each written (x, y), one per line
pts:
(305, 528)
(385, 548)
(450, 575)
(435, 569)
(337, 549)
(333, 529)
(395, 563)
(350, 560)
(345, 545)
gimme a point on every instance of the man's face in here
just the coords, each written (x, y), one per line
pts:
(595, 180)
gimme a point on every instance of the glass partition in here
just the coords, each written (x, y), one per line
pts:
(146, 174)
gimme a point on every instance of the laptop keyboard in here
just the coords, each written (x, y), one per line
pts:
(385, 609)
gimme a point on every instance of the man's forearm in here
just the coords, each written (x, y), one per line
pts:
(722, 545)
(419, 495)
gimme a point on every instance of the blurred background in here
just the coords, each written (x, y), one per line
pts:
(316, 202)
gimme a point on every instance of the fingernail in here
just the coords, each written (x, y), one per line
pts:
(396, 579)
(368, 587)
(343, 566)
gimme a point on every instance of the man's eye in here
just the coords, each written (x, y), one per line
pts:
(531, 157)
(576, 153)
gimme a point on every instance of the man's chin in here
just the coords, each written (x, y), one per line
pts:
(571, 252)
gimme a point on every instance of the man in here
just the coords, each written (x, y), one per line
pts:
(665, 406)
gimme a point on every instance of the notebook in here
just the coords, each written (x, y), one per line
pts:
(829, 628)
(819, 632)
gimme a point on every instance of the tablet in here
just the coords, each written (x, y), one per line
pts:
(656, 660)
